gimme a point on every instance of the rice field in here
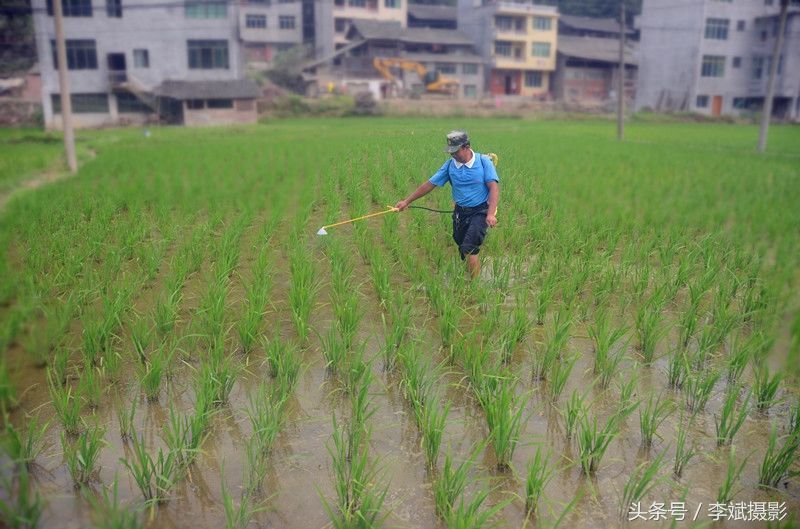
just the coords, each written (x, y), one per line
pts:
(178, 348)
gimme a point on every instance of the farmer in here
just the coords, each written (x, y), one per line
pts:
(476, 190)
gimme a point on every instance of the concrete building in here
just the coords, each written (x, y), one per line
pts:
(333, 18)
(121, 61)
(603, 28)
(588, 68)
(448, 54)
(431, 16)
(267, 27)
(517, 41)
(712, 57)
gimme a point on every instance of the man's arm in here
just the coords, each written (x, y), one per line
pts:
(425, 188)
(494, 196)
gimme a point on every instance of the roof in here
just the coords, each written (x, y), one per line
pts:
(608, 25)
(443, 57)
(374, 30)
(232, 89)
(432, 12)
(596, 49)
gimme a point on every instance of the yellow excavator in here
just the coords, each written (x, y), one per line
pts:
(434, 82)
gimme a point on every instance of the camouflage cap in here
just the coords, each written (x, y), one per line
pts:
(455, 140)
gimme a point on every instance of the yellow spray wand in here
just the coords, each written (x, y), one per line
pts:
(389, 210)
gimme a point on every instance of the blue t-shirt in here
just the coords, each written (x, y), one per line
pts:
(468, 183)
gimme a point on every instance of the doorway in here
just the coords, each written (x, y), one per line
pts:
(716, 105)
(117, 67)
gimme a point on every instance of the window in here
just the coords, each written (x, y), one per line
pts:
(713, 66)
(81, 54)
(470, 90)
(740, 103)
(502, 48)
(541, 49)
(767, 2)
(141, 59)
(83, 103)
(533, 79)
(469, 69)
(392, 3)
(196, 104)
(205, 9)
(758, 67)
(702, 102)
(129, 103)
(447, 68)
(208, 54)
(260, 2)
(286, 22)
(340, 25)
(740, 25)
(358, 3)
(542, 23)
(737, 62)
(220, 103)
(503, 23)
(256, 21)
(717, 28)
(72, 8)
(114, 8)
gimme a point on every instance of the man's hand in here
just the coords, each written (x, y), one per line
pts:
(491, 221)
(402, 205)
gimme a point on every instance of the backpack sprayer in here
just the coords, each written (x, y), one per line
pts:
(390, 209)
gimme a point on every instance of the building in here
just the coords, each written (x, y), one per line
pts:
(517, 41)
(417, 54)
(712, 57)
(588, 67)
(603, 28)
(267, 27)
(431, 16)
(333, 18)
(123, 62)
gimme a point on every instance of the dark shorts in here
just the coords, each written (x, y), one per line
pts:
(469, 228)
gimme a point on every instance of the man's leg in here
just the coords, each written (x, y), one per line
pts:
(473, 266)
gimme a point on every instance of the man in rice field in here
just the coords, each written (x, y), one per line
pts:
(476, 190)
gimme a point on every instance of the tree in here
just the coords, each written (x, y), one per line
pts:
(286, 68)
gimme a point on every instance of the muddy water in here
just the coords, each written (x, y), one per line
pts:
(300, 473)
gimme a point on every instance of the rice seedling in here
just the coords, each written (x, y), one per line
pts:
(236, 516)
(434, 419)
(23, 447)
(504, 417)
(690, 317)
(726, 491)
(516, 329)
(358, 501)
(558, 375)
(777, 463)
(125, 420)
(731, 419)
(166, 310)
(475, 358)
(153, 477)
(764, 387)
(419, 377)
(151, 372)
(109, 513)
(333, 349)
(82, 454)
(469, 515)
(683, 454)
(640, 482)
(303, 290)
(89, 387)
(538, 474)
(698, 386)
(546, 295)
(794, 418)
(737, 360)
(67, 407)
(593, 442)
(380, 275)
(256, 468)
(651, 416)
(21, 507)
(555, 341)
(266, 415)
(649, 325)
(451, 482)
(249, 323)
(400, 315)
(575, 408)
(627, 391)
(8, 394)
(212, 309)
(676, 369)
(58, 365)
(606, 362)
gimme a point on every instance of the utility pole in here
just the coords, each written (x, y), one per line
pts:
(773, 70)
(63, 81)
(621, 73)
